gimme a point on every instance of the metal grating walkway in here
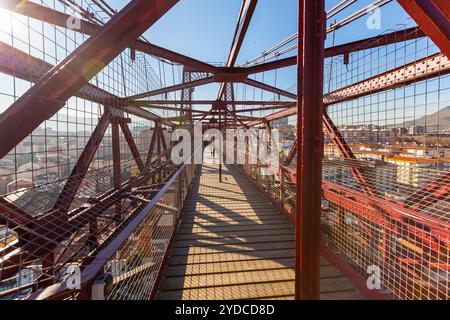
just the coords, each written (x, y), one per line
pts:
(233, 244)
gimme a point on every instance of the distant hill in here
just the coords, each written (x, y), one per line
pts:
(441, 118)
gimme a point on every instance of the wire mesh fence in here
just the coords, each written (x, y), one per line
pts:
(69, 186)
(386, 165)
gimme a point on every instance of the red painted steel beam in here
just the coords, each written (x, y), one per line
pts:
(430, 194)
(210, 102)
(49, 15)
(311, 31)
(383, 212)
(379, 210)
(50, 229)
(45, 231)
(375, 42)
(17, 63)
(115, 144)
(292, 153)
(200, 112)
(39, 12)
(208, 80)
(157, 51)
(347, 153)
(13, 215)
(50, 93)
(177, 87)
(433, 16)
(262, 108)
(268, 66)
(130, 140)
(269, 88)
(429, 67)
(347, 48)
(147, 105)
(245, 16)
(186, 95)
(337, 140)
(36, 11)
(235, 117)
(80, 169)
(274, 116)
(163, 140)
(152, 146)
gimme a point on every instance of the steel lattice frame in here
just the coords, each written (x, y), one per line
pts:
(111, 223)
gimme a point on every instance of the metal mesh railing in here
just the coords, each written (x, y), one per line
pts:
(136, 265)
(386, 166)
(70, 185)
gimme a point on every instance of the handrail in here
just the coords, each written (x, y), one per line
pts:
(88, 275)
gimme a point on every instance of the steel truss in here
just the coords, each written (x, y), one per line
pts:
(98, 233)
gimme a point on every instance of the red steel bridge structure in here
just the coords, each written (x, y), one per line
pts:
(88, 187)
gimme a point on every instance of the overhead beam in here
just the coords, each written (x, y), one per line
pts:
(268, 66)
(210, 102)
(17, 63)
(427, 68)
(375, 42)
(157, 51)
(209, 80)
(177, 87)
(60, 19)
(347, 48)
(433, 16)
(275, 116)
(46, 14)
(245, 16)
(261, 109)
(269, 88)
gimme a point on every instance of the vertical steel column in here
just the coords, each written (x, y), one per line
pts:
(117, 179)
(158, 150)
(186, 96)
(311, 31)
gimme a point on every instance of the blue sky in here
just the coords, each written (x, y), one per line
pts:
(203, 29)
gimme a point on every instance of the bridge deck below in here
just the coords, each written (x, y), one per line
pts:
(233, 244)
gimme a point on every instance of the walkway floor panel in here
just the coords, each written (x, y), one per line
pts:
(233, 244)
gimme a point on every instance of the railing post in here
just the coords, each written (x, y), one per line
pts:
(311, 35)
(220, 146)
